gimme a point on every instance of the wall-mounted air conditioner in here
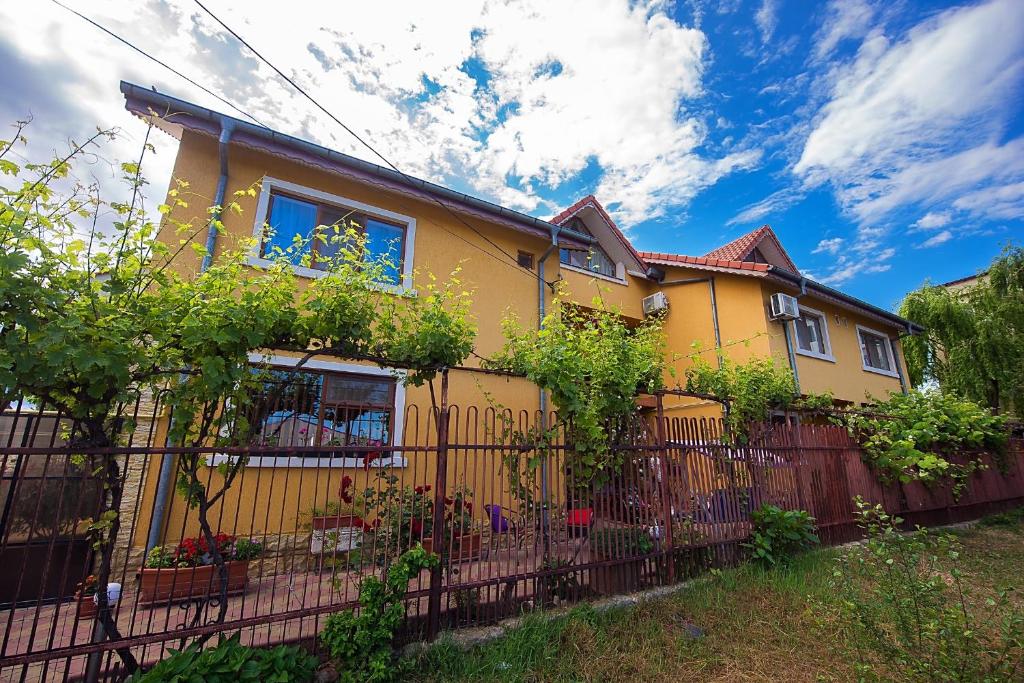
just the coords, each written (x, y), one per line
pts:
(655, 303)
(784, 307)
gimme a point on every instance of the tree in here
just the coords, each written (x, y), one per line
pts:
(973, 344)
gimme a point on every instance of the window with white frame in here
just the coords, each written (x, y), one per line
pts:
(876, 351)
(325, 406)
(595, 259)
(812, 334)
(287, 210)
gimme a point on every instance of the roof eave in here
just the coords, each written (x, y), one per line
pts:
(173, 114)
(846, 300)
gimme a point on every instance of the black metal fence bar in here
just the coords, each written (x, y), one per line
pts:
(332, 497)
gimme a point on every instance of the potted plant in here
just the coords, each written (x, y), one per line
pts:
(619, 543)
(404, 516)
(188, 571)
(337, 527)
(85, 593)
(464, 538)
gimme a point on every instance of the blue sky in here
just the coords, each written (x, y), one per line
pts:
(883, 141)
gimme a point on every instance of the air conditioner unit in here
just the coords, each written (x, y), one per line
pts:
(784, 307)
(654, 303)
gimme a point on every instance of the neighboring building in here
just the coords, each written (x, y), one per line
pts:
(838, 343)
(964, 282)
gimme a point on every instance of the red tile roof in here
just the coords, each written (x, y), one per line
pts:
(591, 200)
(702, 261)
(741, 247)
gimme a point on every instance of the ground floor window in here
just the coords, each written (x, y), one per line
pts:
(326, 406)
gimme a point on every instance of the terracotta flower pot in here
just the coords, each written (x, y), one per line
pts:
(346, 533)
(85, 606)
(462, 548)
(179, 583)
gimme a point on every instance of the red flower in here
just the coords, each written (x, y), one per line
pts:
(422, 489)
(467, 506)
(417, 527)
(368, 460)
(448, 501)
(346, 484)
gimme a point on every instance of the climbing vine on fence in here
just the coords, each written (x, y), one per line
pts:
(594, 365)
(927, 436)
(754, 389)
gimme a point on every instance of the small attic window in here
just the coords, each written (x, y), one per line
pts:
(756, 256)
(595, 261)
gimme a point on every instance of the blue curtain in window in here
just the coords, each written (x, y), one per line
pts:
(288, 218)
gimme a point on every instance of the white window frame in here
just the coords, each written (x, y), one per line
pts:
(263, 204)
(888, 352)
(824, 333)
(285, 362)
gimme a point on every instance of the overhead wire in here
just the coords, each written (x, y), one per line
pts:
(513, 262)
(170, 68)
(360, 139)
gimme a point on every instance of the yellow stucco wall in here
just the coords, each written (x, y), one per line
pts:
(845, 377)
(442, 243)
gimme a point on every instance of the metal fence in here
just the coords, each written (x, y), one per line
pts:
(515, 529)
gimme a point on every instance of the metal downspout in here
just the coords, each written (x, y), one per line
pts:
(165, 483)
(543, 397)
(714, 321)
(789, 339)
(899, 366)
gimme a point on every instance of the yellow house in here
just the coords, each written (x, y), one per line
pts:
(727, 298)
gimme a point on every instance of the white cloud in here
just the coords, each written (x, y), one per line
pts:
(936, 240)
(552, 99)
(767, 18)
(829, 246)
(847, 268)
(844, 19)
(773, 203)
(932, 220)
(916, 120)
(1001, 202)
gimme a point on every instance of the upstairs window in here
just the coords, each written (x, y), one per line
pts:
(289, 216)
(596, 260)
(876, 351)
(812, 334)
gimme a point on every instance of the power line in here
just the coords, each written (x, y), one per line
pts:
(366, 144)
(154, 59)
(514, 264)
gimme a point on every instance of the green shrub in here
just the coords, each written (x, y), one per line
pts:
(247, 549)
(779, 534)
(905, 608)
(618, 542)
(361, 644)
(231, 662)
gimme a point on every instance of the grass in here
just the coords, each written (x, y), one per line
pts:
(757, 625)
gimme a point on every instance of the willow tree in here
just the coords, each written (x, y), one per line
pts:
(973, 345)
